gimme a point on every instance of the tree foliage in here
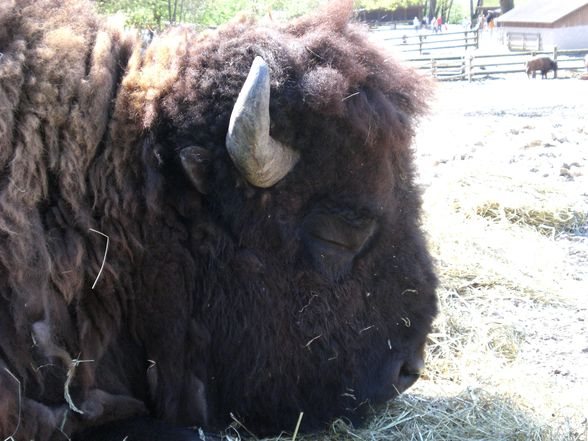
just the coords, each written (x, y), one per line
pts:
(157, 14)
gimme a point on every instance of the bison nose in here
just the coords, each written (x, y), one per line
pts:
(409, 373)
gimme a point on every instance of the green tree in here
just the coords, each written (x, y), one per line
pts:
(153, 13)
(157, 14)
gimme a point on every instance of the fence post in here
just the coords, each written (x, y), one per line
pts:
(469, 60)
(433, 68)
(555, 59)
(539, 43)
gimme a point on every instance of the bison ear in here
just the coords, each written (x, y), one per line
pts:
(196, 163)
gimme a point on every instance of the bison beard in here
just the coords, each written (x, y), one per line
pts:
(265, 255)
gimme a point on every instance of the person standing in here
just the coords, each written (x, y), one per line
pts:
(440, 23)
(434, 24)
(416, 23)
(480, 22)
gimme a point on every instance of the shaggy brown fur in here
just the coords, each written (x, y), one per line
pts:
(208, 304)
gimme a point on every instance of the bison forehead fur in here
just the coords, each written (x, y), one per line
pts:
(142, 274)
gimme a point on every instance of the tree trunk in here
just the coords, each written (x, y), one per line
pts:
(174, 16)
(506, 5)
(432, 8)
(449, 6)
(181, 14)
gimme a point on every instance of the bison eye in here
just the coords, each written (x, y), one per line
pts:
(333, 240)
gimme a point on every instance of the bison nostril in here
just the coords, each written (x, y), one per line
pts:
(415, 366)
(409, 373)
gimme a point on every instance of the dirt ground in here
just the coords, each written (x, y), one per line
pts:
(513, 146)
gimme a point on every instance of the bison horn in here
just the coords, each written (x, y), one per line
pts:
(262, 160)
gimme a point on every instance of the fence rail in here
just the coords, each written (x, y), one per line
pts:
(431, 42)
(470, 65)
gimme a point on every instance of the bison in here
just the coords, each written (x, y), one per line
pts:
(218, 226)
(544, 64)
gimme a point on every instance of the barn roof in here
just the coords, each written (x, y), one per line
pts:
(542, 11)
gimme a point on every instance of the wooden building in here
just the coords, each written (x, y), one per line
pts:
(543, 24)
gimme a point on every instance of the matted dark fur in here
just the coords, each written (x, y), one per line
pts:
(215, 299)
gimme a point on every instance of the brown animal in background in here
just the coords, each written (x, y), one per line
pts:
(543, 64)
(223, 224)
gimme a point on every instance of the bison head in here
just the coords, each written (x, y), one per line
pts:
(256, 189)
(283, 269)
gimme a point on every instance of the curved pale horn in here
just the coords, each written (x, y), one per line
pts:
(262, 160)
